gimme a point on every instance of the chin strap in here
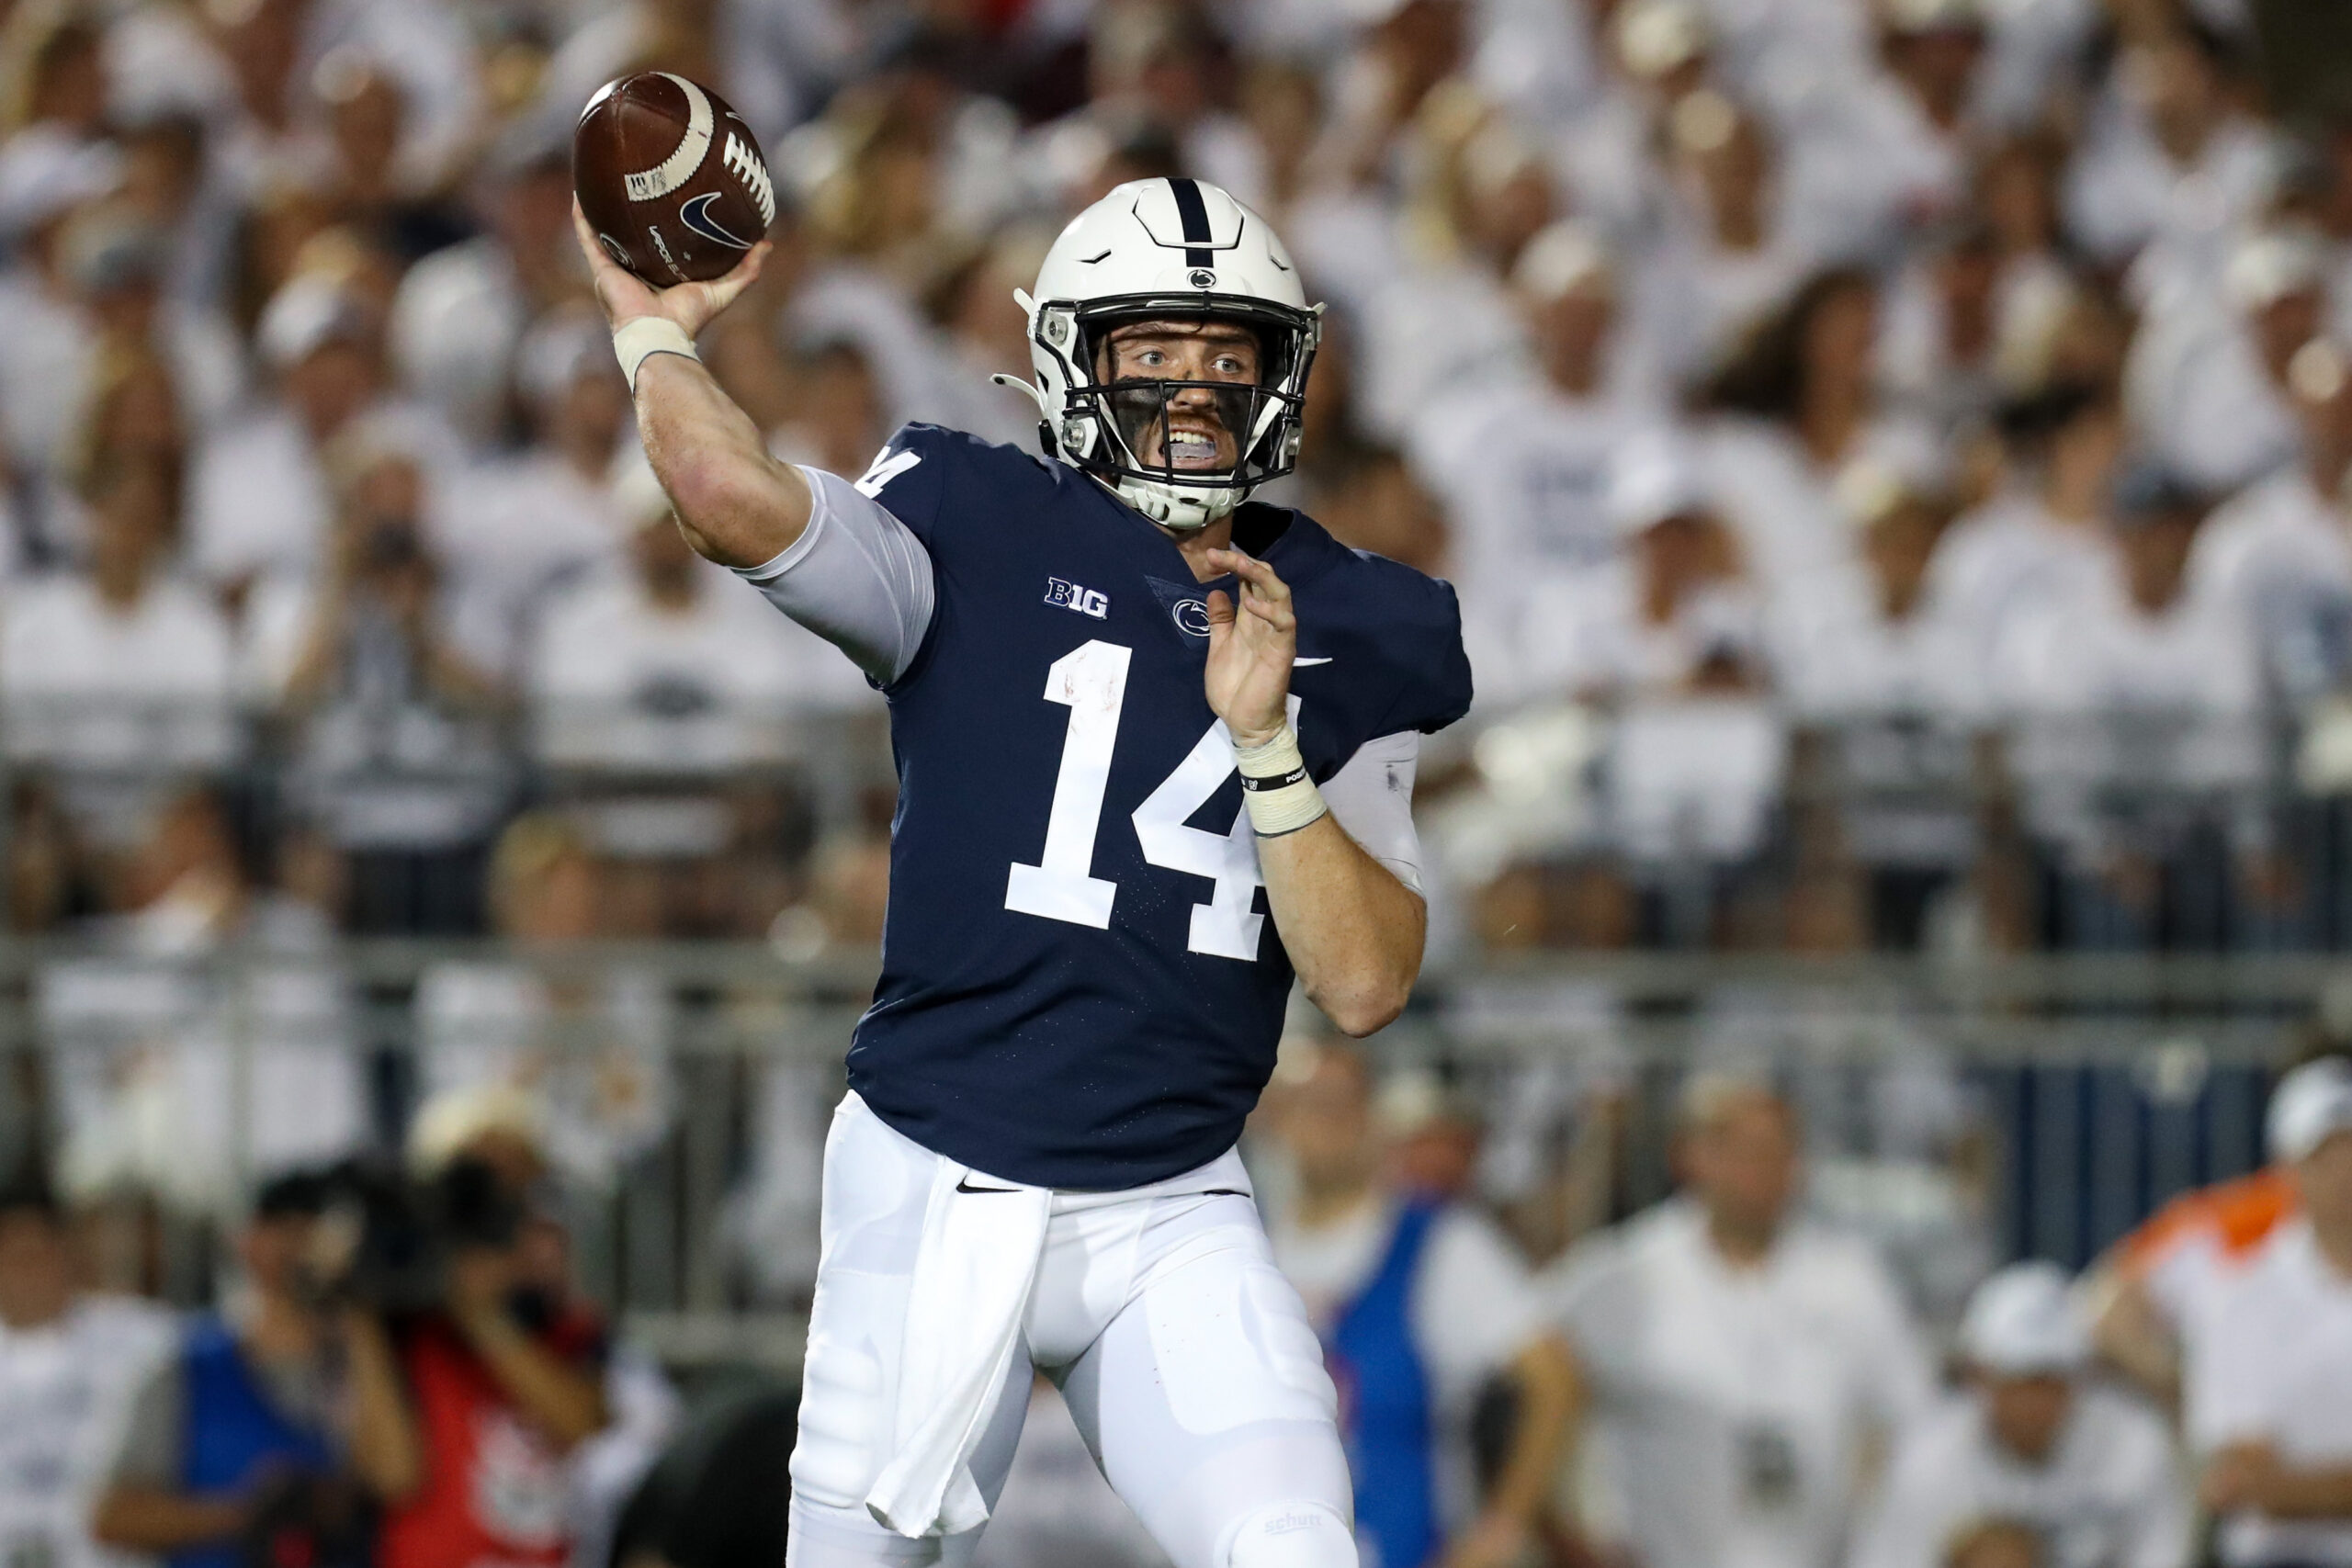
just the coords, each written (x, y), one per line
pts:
(1036, 393)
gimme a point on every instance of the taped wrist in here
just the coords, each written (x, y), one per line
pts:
(635, 342)
(1281, 798)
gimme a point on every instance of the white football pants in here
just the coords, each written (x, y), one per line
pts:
(1183, 1355)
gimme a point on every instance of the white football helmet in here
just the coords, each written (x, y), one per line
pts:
(1168, 249)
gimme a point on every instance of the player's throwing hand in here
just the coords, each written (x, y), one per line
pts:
(1251, 645)
(690, 306)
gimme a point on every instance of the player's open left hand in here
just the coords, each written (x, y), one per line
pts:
(692, 306)
(1252, 644)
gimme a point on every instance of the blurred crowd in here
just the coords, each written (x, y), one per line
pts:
(1893, 455)
(1889, 450)
(1738, 1377)
(401, 1367)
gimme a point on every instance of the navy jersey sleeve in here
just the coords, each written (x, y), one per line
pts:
(1436, 690)
(1409, 629)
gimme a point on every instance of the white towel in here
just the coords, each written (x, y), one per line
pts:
(982, 1239)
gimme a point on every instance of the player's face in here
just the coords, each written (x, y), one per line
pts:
(1196, 430)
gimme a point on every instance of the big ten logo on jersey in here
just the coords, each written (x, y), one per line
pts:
(1070, 596)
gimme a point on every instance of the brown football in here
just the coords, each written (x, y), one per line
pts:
(671, 179)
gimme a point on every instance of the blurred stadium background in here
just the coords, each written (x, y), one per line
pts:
(1892, 454)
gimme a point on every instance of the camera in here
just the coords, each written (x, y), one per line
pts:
(387, 1236)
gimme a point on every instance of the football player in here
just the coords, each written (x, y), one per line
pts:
(1155, 748)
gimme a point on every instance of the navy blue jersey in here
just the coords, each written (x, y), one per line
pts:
(1079, 985)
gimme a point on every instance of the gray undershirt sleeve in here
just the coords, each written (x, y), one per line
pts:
(857, 577)
(1373, 798)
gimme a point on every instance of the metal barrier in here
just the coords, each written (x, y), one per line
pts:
(2040, 1105)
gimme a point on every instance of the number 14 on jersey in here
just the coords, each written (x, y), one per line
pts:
(1091, 682)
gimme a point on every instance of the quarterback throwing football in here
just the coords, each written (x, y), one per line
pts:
(1155, 749)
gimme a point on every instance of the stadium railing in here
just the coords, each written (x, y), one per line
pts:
(2002, 1106)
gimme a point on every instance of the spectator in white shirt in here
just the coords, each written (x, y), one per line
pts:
(1870, 647)
(1667, 635)
(518, 529)
(2016, 193)
(2166, 156)
(134, 417)
(88, 301)
(1420, 1303)
(667, 701)
(1898, 137)
(71, 1363)
(46, 177)
(1523, 470)
(1654, 54)
(259, 501)
(2044, 533)
(1151, 64)
(2035, 1443)
(2138, 746)
(400, 757)
(1970, 312)
(1936, 49)
(1735, 237)
(1742, 1362)
(586, 1054)
(118, 260)
(2132, 638)
(2277, 555)
(1898, 700)
(667, 667)
(2206, 382)
(1939, 349)
(1797, 410)
(982, 332)
(378, 180)
(172, 1075)
(119, 679)
(1442, 322)
(1676, 593)
(2269, 1368)
(460, 313)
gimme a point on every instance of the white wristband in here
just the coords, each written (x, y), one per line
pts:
(635, 342)
(1275, 787)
